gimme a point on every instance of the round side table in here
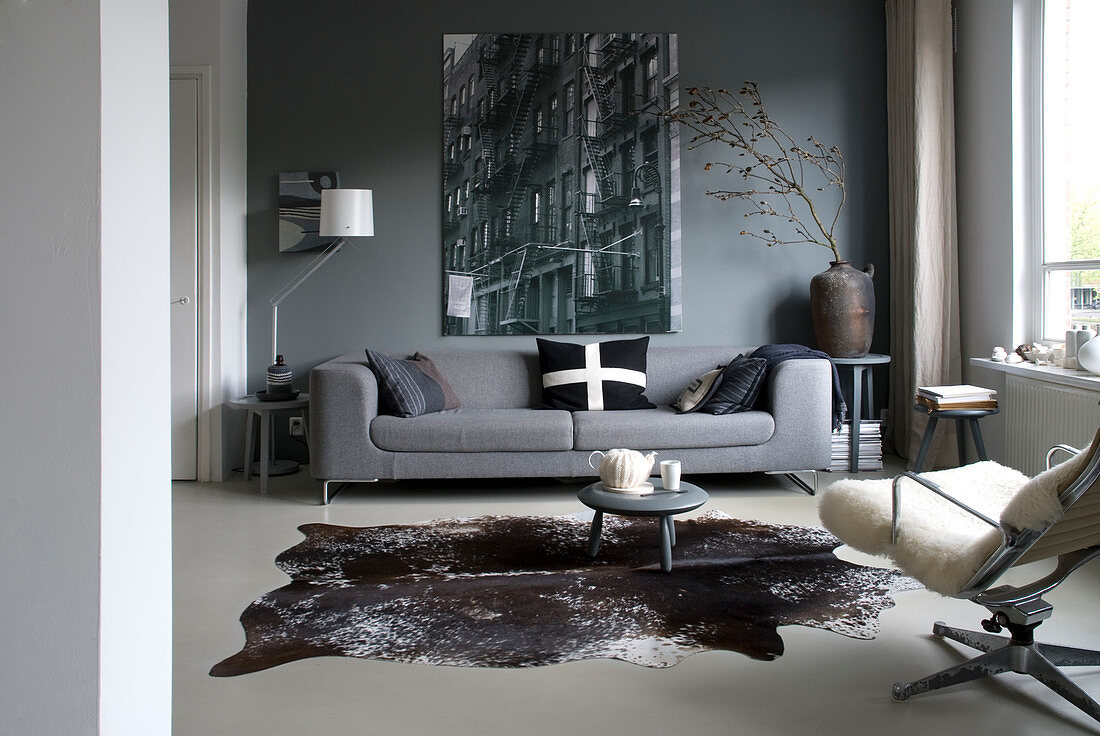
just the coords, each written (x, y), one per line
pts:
(660, 503)
(267, 465)
(862, 375)
(961, 417)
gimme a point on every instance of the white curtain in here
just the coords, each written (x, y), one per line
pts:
(924, 284)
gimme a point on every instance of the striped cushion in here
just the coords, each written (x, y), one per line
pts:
(403, 389)
(738, 386)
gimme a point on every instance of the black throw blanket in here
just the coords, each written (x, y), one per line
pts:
(776, 354)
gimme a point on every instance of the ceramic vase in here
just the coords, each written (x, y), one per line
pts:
(279, 377)
(1088, 356)
(842, 306)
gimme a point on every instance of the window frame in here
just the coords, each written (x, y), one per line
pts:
(1036, 195)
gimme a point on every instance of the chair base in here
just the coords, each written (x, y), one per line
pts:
(1008, 654)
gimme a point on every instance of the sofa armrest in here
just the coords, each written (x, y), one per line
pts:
(800, 399)
(343, 397)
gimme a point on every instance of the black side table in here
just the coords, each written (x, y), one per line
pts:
(661, 503)
(961, 416)
(862, 375)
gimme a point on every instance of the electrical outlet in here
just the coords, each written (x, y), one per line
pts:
(296, 427)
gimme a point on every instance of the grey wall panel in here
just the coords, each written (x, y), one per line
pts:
(340, 85)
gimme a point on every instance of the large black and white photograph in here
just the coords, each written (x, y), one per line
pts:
(561, 187)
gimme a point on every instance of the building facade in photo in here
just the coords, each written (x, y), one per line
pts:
(560, 184)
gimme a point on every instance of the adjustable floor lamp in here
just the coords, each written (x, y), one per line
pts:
(345, 213)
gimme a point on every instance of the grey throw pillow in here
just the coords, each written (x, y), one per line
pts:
(403, 389)
(738, 387)
(424, 363)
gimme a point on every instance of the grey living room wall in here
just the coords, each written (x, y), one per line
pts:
(354, 86)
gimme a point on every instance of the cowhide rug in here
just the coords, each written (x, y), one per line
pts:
(520, 591)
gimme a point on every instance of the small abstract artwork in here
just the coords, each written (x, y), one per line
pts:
(521, 591)
(300, 209)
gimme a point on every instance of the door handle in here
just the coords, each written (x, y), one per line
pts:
(183, 300)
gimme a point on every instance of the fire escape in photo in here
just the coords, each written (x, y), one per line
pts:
(601, 274)
(512, 70)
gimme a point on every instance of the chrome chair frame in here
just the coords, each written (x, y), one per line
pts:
(1020, 609)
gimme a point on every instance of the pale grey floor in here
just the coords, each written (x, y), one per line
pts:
(226, 537)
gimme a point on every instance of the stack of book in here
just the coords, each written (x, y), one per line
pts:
(944, 398)
(870, 447)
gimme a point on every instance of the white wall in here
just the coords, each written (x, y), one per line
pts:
(85, 533)
(212, 33)
(135, 663)
(983, 129)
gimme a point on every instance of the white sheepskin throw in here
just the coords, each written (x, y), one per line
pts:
(938, 543)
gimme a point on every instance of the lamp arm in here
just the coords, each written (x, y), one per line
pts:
(332, 249)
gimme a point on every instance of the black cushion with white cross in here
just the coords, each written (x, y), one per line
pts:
(600, 376)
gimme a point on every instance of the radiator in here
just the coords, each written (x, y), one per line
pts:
(1040, 415)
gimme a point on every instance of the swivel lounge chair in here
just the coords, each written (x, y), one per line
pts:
(958, 531)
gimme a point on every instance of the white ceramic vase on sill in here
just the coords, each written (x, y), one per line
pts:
(1088, 356)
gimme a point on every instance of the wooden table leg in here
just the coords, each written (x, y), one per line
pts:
(250, 420)
(857, 412)
(265, 449)
(960, 440)
(666, 545)
(594, 534)
(925, 443)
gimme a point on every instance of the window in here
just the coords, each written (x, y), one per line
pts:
(551, 212)
(454, 105)
(652, 77)
(570, 44)
(566, 206)
(1070, 270)
(539, 121)
(462, 98)
(652, 265)
(649, 146)
(570, 111)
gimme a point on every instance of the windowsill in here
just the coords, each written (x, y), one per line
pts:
(1048, 373)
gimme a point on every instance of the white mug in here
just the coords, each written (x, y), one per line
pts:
(670, 475)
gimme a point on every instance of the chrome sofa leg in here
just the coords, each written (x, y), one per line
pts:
(790, 475)
(326, 498)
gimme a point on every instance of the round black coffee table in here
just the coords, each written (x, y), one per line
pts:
(660, 503)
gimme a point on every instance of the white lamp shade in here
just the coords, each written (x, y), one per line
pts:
(347, 213)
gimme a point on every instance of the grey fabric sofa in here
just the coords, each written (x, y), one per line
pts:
(498, 434)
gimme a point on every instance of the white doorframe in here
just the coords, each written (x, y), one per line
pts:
(209, 382)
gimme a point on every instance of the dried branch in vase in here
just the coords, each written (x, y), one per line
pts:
(780, 176)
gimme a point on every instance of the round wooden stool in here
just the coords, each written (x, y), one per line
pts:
(961, 416)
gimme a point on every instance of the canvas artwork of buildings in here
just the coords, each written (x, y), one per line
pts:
(560, 185)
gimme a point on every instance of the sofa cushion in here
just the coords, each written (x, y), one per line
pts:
(475, 430)
(664, 429)
(698, 391)
(738, 386)
(424, 363)
(403, 389)
(599, 376)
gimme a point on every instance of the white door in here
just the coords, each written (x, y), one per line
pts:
(184, 115)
